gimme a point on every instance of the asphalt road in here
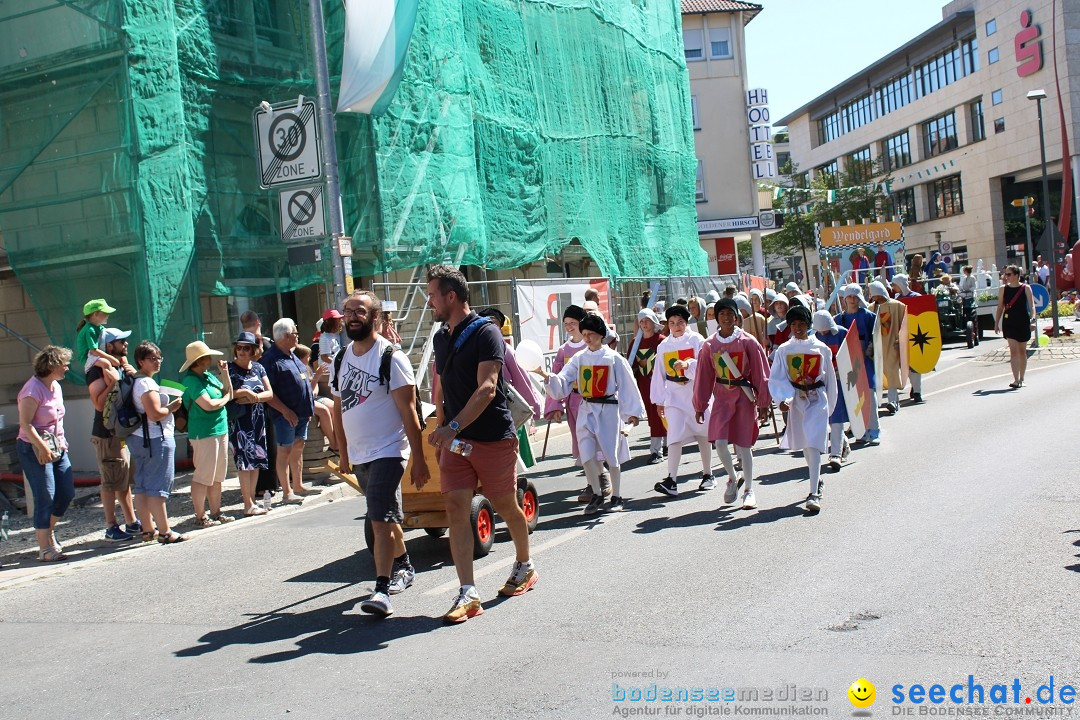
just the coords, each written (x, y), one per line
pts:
(948, 551)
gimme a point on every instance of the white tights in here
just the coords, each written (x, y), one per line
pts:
(813, 461)
(836, 438)
(675, 456)
(746, 457)
(593, 468)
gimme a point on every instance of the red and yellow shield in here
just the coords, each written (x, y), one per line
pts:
(672, 356)
(726, 373)
(923, 332)
(593, 380)
(803, 368)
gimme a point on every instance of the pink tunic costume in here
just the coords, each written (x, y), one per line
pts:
(571, 404)
(734, 414)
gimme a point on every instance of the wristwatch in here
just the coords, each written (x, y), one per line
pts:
(455, 426)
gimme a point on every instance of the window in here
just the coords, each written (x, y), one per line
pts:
(830, 172)
(903, 205)
(694, 112)
(719, 43)
(894, 94)
(699, 195)
(999, 125)
(945, 197)
(693, 44)
(948, 67)
(897, 151)
(860, 165)
(782, 160)
(939, 135)
(996, 97)
(978, 128)
(850, 116)
(991, 27)
(992, 56)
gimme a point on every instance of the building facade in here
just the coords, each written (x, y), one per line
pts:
(728, 211)
(946, 119)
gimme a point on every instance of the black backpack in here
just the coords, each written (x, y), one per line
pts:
(384, 377)
(119, 415)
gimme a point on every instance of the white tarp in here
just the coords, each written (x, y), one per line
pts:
(377, 34)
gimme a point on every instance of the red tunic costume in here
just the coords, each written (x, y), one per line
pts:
(734, 415)
(643, 366)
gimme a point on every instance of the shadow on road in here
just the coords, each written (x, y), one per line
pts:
(734, 518)
(987, 393)
(795, 473)
(694, 519)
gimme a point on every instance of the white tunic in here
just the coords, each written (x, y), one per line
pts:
(804, 362)
(675, 396)
(596, 374)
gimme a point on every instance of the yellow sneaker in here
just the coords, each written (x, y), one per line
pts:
(519, 582)
(464, 607)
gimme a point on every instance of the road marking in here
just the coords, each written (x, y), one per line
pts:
(995, 377)
(452, 585)
(939, 373)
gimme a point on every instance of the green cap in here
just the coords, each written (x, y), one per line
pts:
(93, 306)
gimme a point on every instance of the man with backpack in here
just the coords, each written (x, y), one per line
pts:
(377, 424)
(476, 437)
(113, 459)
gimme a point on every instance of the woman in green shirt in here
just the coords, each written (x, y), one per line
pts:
(205, 397)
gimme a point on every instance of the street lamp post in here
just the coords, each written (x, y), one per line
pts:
(1038, 96)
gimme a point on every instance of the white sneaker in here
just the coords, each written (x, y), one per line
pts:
(813, 502)
(731, 491)
(749, 502)
(707, 483)
(378, 604)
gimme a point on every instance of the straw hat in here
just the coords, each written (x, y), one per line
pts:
(196, 350)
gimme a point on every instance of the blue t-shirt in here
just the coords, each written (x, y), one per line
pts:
(290, 382)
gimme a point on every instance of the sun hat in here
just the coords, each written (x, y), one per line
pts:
(196, 350)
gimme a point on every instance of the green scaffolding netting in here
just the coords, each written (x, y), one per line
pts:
(128, 164)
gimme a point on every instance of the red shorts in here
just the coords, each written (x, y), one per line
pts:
(491, 465)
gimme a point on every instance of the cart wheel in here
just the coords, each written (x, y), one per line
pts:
(529, 502)
(435, 532)
(369, 535)
(483, 526)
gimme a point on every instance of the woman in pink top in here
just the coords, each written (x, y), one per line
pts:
(42, 447)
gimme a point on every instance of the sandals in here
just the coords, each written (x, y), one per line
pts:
(206, 522)
(172, 537)
(149, 535)
(255, 510)
(222, 519)
(51, 555)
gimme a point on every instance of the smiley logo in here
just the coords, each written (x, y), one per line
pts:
(862, 693)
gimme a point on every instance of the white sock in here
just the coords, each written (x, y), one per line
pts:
(674, 456)
(470, 590)
(726, 461)
(616, 481)
(836, 438)
(592, 473)
(813, 461)
(916, 382)
(705, 448)
(656, 444)
(894, 396)
(746, 457)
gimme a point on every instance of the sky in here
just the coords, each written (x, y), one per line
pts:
(799, 49)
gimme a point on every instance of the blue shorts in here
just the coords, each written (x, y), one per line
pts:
(285, 434)
(155, 466)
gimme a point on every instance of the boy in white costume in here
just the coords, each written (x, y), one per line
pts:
(672, 391)
(803, 379)
(610, 398)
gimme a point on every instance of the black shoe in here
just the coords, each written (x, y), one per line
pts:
(667, 486)
(916, 398)
(596, 505)
(656, 458)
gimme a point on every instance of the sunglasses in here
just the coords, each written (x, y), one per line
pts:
(245, 348)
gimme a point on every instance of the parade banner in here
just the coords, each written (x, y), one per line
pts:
(863, 250)
(377, 35)
(540, 305)
(854, 384)
(923, 333)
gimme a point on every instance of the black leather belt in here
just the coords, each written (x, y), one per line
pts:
(677, 379)
(734, 383)
(808, 388)
(602, 400)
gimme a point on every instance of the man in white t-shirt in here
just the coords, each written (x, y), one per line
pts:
(375, 421)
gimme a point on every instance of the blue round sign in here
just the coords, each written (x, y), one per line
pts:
(1041, 296)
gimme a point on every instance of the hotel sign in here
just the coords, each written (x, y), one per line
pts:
(762, 158)
(729, 224)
